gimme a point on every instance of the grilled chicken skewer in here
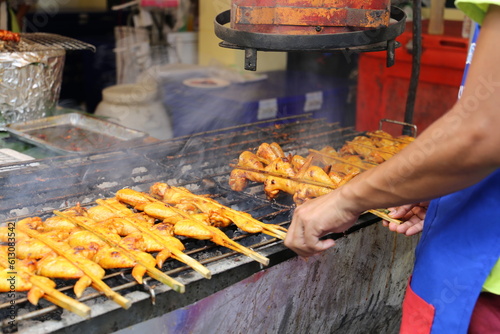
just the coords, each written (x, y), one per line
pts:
(49, 263)
(160, 237)
(299, 177)
(105, 255)
(82, 243)
(14, 275)
(37, 286)
(89, 268)
(184, 224)
(89, 246)
(178, 195)
(140, 258)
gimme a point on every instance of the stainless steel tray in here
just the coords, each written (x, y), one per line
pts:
(74, 133)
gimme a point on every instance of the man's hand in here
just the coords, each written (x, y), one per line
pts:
(316, 218)
(413, 216)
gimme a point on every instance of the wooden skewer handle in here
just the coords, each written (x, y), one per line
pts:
(385, 216)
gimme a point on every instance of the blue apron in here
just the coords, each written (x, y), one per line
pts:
(459, 246)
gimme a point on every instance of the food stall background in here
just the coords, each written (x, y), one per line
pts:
(87, 74)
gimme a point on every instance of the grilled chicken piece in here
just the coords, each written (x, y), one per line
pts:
(359, 145)
(135, 223)
(55, 266)
(9, 36)
(89, 240)
(270, 152)
(345, 168)
(8, 280)
(108, 257)
(133, 198)
(305, 191)
(273, 184)
(22, 282)
(17, 276)
(297, 162)
(238, 179)
(381, 138)
(195, 230)
(325, 156)
(160, 239)
(57, 223)
(111, 258)
(28, 248)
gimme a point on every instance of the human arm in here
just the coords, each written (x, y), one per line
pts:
(456, 151)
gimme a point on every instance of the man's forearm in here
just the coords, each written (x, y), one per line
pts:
(458, 150)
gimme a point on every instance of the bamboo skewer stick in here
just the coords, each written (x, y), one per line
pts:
(385, 216)
(339, 159)
(374, 148)
(53, 295)
(400, 140)
(176, 253)
(153, 272)
(226, 241)
(99, 284)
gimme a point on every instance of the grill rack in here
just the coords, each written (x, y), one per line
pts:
(37, 41)
(200, 163)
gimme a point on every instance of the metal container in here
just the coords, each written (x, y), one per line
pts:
(30, 84)
(75, 133)
(305, 17)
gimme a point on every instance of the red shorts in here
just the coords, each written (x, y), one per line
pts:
(486, 315)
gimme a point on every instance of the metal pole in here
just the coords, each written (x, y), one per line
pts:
(415, 70)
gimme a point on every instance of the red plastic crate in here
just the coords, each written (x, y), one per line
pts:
(382, 91)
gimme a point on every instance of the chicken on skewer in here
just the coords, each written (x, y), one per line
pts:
(14, 275)
(24, 279)
(288, 174)
(184, 224)
(91, 270)
(82, 244)
(157, 237)
(125, 253)
(239, 178)
(26, 247)
(270, 152)
(179, 195)
(266, 154)
(140, 258)
(49, 263)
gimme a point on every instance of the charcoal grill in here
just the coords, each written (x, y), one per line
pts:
(200, 163)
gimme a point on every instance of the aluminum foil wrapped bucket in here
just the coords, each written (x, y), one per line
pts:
(30, 83)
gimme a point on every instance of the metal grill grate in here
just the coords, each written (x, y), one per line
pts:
(45, 41)
(199, 163)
